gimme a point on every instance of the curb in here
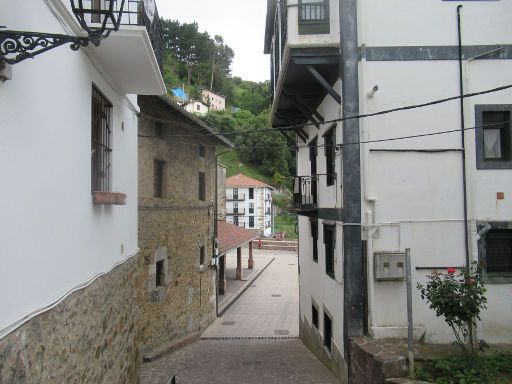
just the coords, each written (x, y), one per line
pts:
(231, 300)
(171, 347)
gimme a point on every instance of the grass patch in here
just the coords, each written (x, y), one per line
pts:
(234, 166)
(488, 369)
(286, 222)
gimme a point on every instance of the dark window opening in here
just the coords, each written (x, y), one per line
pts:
(251, 207)
(498, 249)
(330, 155)
(330, 248)
(159, 177)
(251, 193)
(159, 129)
(314, 315)
(235, 193)
(327, 331)
(202, 187)
(235, 207)
(493, 136)
(251, 221)
(101, 136)
(160, 273)
(202, 255)
(202, 151)
(235, 220)
(314, 235)
(496, 126)
(313, 152)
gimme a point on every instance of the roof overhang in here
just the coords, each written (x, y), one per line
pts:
(171, 110)
(307, 76)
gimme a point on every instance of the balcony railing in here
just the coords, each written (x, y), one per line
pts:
(235, 211)
(237, 197)
(305, 192)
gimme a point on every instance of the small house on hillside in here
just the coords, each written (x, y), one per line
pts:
(249, 203)
(196, 107)
(214, 100)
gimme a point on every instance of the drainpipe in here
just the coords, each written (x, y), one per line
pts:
(464, 182)
(463, 142)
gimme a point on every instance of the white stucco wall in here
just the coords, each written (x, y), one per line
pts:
(196, 107)
(418, 196)
(53, 239)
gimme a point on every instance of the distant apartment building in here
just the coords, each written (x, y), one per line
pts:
(214, 100)
(249, 203)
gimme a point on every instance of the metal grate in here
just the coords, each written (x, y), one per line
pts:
(314, 10)
(101, 136)
(499, 250)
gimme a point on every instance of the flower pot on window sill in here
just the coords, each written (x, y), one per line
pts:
(109, 198)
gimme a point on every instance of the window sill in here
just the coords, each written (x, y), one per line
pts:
(109, 198)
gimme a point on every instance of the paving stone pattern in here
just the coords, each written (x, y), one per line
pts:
(239, 361)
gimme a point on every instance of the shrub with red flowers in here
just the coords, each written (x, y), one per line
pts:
(458, 297)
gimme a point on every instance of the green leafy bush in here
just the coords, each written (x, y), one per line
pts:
(459, 298)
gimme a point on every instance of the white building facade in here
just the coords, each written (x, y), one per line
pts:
(68, 233)
(362, 196)
(249, 203)
(196, 107)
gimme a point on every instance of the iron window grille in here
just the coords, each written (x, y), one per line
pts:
(101, 138)
(495, 251)
(314, 10)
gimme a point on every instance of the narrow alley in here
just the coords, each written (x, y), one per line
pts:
(254, 341)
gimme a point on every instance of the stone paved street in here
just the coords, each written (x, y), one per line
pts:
(254, 342)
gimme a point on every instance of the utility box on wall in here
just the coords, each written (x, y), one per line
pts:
(389, 266)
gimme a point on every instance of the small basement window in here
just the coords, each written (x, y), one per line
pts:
(327, 331)
(314, 315)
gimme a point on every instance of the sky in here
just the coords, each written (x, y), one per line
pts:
(240, 22)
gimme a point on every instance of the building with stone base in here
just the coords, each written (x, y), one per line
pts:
(68, 228)
(176, 287)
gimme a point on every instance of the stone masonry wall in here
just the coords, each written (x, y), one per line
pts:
(173, 228)
(90, 337)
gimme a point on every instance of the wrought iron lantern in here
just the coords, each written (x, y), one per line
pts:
(97, 17)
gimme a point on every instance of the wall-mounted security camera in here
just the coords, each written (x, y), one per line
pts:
(373, 90)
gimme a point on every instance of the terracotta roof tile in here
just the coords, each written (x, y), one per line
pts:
(242, 180)
(230, 236)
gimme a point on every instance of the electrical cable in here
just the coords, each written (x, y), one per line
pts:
(296, 126)
(345, 144)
